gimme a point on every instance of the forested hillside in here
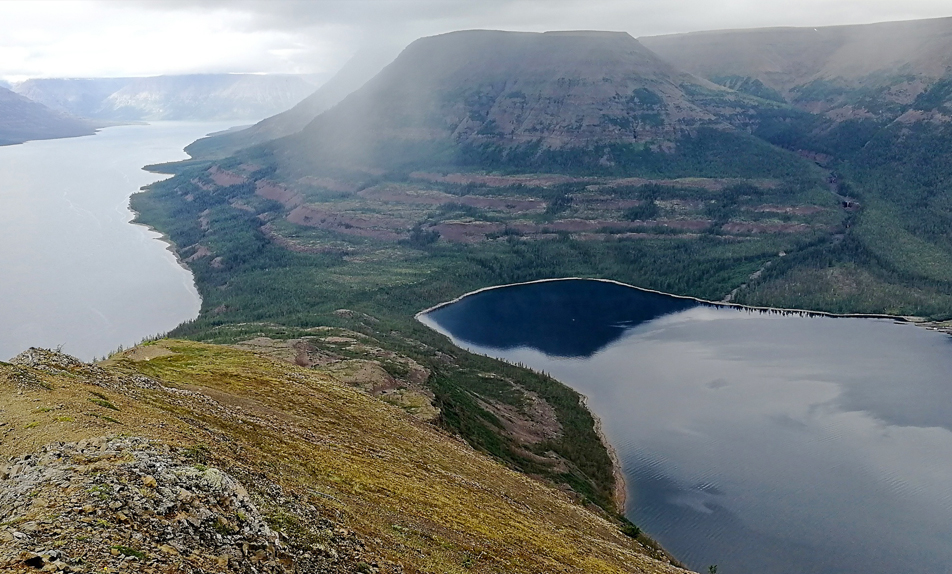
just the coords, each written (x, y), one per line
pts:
(881, 108)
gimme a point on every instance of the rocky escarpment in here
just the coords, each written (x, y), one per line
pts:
(113, 504)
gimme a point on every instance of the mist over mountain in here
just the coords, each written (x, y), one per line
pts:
(844, 72)
(22, 120)
(521, 99)
(187, 97)
(83, 97)
(353, 75)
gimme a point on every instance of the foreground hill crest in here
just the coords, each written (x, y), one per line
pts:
(321, 477)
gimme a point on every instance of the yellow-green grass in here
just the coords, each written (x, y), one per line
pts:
(413, 494)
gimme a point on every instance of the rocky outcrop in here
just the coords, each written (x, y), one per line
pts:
(111, 504)
(233, 461)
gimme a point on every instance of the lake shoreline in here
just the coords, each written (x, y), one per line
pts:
(620, 494)
(99, 281)
(169, 246)
(912, 320)
(704, 409)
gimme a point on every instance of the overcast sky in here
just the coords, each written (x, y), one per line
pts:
(136, 38)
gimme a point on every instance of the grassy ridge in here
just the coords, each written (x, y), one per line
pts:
(315, 456)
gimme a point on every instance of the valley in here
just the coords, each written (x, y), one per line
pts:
(483, 158)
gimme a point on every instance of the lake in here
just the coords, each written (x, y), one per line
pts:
(75, 272)
(762, 442)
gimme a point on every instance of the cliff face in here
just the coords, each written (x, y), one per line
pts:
(185, 457)
(22, 120)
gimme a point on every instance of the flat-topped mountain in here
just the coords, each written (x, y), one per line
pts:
(482, 158)
(22, 120)
(490, 97)
(845, 71)
(185, 97)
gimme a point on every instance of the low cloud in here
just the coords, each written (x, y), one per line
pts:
(146, 37)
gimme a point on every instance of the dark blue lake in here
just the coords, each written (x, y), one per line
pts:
(762, 442)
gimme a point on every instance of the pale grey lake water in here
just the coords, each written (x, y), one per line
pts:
(765, 443)
(73, 270)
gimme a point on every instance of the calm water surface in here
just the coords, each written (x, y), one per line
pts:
(73, 271)
(760, 442)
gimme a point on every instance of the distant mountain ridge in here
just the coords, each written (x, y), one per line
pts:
(352, 76)
(185, 97)
(23, 120)
(844, 72)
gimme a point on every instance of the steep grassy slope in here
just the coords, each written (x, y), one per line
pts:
(334, 471)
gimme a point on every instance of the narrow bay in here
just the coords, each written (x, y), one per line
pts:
(75, 272)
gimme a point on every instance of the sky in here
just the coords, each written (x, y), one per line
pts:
(86, 38)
